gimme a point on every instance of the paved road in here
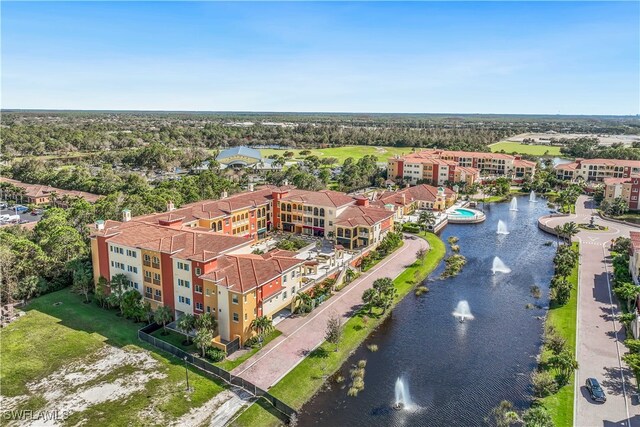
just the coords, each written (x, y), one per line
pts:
(300, 335)
(600, 337)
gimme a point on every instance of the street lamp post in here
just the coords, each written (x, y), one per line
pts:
(186, 373)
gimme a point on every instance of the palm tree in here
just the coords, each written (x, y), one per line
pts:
(370, 297)
(558, 230)
(206, 321)
(162, 316)
(203, 339)
(186, 323)
(262, 325)
(349, 275)
(81, 277)
(426, 219)
(569, 230)
(119, 284)
(303, 302)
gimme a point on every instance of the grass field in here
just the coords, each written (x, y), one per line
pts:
(560, 405)
(516, 147)
(74, 355)
(301, 383)
(342, 153)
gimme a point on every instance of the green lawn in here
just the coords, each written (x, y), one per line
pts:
(633, 217)
(229, 365)
(342, 153)
(53, 337)
(511, 147)
(560, 405)
(299, 385)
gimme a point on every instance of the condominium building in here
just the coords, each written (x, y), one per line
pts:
(423, 196)
(598, 169)
(626, 188)
(437, 167)
(198, 258)
(318, 213)
(194, 271)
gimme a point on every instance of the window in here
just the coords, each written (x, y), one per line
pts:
(187, 301)
(284, 295)
(185, 283)
(284, 278)
(198, 271)
(147, 274)
(112, 264)
(156, 276)
(111, 248)
(208, 309)
(245, 316)
(147, 258)
(181, 299)
(156, 260)
(199, 306)
(148, 289)
(131, 253)
(245, 299)
(236, 317)
(158, 293)
(234, 298)
(208, 292)
(198, 288)
(183, 266)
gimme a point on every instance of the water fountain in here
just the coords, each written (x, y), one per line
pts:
(532, 197)
(514, 204)
(502, 227)
(499, 266)
(403, 398)
(462, 311)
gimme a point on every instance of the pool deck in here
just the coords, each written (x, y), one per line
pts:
(477, 217)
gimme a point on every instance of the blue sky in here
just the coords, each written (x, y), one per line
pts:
(457, 57)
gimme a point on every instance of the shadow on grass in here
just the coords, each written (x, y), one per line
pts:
(264, 404)
(71, 312)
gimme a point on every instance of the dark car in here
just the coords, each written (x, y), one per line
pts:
(596, 392)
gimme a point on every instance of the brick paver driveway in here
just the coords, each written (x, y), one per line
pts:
(300, 335)
(600, 336)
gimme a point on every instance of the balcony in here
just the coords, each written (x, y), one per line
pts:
(364, 235)
(146, 263)
(147, 279)
(148, 295)
(156, 282)
(155, 265)
(157, 298)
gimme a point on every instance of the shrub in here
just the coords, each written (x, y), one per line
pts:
(362, 364)
(536, 292)
(555, 343)
(420, 290)
(410, 227)
(215, 354)
(543, 384)
(372, 348)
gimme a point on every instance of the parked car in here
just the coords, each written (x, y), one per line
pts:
(596, 392)
(20, 208)
(3, 205)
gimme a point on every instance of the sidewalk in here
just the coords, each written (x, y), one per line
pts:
(300, 335)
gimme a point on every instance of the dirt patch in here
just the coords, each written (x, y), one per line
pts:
(109, 374)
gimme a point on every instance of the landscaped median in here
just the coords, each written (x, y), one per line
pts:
(301, 383)
(563, 319)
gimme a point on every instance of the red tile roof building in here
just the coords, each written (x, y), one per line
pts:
(597, 169)
(437, 167)
(626, 188)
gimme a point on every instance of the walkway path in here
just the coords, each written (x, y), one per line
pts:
(599, 337)
(301, 335)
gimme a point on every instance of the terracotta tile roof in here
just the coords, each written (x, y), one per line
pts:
(422, 192)
(567, 166)
(319, 198)
(599, 162)
(454, 156)
(38, 190)
(210, 209)
(362, 215)
(181, 243)
(242, 273)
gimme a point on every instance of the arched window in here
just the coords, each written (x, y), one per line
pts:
(321, 211)
(315, 211)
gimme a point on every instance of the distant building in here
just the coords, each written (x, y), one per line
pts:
(38, 194)
(245, 157)
(437, 167)
(423, 196)
(597, 169)
(626, 188)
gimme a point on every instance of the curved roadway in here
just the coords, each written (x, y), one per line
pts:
(600, 337)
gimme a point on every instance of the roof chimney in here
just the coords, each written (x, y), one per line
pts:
(126, 215)
(224, 195)
(170, 206)
(99, 224)
(404, 199)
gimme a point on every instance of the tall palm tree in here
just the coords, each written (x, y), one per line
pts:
(569, 230)
(186, 323)
(262, 325)
(119, 284)
(162, 316)
(426, 219)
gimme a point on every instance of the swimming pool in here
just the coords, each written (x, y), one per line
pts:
(465, 213)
